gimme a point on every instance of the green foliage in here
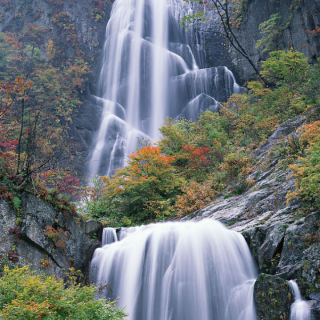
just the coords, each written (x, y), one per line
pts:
(239, 10)
(16, 203)
(192, 18)
(306, 170)
(285, 67)
(270, 29)
(142, 191)
(27, 295)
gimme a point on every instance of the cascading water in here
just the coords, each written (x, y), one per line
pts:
(178, 271)
(109, 235)
(151, 69)
(299, 309)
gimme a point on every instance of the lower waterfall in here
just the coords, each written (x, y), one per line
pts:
(178, 271)
(299, 309)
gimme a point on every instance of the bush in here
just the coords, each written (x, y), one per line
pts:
(195, 196)
(307, 168)
(236, 168)
(26, 295)
(144, 190)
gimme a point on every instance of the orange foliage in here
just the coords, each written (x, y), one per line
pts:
(195, 196)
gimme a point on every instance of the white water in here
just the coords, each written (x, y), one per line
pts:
(178, 271)
(151, 69)
(299, 309)
(109, 236)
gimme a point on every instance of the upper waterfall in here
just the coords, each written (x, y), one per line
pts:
(178, 271)
(151, 69)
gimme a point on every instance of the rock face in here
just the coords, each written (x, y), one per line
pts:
(296, 18)
(15, 15)
(48, 239)
(272, 297)
(283, 241)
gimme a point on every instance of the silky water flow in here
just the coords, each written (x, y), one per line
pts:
(299, 309)
(177, 271)
(151, 69)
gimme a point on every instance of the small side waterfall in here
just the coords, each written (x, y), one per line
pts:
(178, 271)
(109, 236)
(299, 309)
(151, 69)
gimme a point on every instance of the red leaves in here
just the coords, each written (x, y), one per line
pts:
(197, 155)
(63, 181)
(150, 155)
(13, 256)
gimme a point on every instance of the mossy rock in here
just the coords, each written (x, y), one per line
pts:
(272, 298)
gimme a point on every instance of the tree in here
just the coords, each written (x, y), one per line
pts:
(306, 169)
(32, 141)
(40, 88)
(142, 191)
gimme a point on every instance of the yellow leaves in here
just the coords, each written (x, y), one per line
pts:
(28, 295)
(309, 133)
(306, 169)
(258, 89)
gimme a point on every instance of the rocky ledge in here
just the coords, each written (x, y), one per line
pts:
(45, 238)
(283, 241)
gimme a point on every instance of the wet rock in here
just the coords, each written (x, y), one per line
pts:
(283, 241)
(93, 227)
(272, 297)
(72, 247)
(314, 296)
(7, 221)
(37, 215)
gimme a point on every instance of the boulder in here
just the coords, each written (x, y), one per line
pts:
(272, 297)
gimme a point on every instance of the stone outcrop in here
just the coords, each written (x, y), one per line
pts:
(272, 297)
(296, 18)
(283, 241)
(72, 246)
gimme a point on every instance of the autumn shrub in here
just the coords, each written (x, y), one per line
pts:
(306, 169)
(28, 295)
(194, 196)
(143, 191)
(236, 169)
(196, 146)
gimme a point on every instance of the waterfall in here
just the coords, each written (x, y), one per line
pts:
(109, 235)
(178, 271)
(151, 69)
(299, 309)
